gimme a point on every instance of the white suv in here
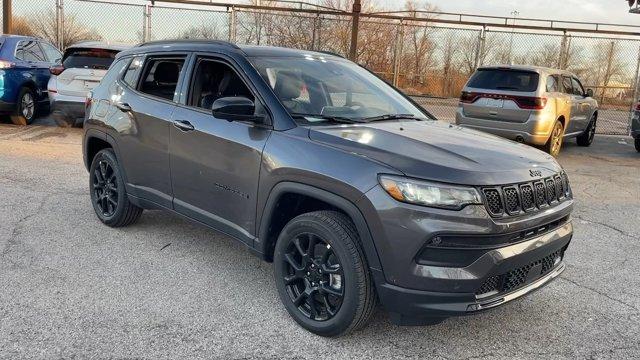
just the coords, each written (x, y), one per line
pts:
(83, 66)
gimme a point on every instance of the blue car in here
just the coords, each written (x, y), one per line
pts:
(24, 74)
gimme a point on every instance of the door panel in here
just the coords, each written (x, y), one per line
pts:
(215, 169)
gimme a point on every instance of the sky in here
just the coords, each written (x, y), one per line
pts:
(601, 11)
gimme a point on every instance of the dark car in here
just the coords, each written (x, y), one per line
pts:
(24, 70)
(354, 192)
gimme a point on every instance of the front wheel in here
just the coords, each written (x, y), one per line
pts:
(322, 275)
(586, 138)
(637, 143)
(554, 144)
(108, 194)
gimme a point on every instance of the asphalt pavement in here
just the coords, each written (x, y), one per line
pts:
(72, 288)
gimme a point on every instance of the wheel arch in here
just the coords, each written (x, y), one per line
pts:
(274, 217)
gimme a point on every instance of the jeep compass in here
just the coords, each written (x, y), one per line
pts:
(354, 192)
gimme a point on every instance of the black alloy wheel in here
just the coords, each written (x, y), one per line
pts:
(108, 194)
(313, 277)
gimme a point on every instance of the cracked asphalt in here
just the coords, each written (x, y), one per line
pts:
(71, 288)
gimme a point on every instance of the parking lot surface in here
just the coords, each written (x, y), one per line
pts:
(167, 288)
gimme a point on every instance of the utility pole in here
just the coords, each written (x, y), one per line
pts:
(7, 18)
(515, 14)
(355, 24)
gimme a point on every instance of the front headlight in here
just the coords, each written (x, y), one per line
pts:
(426, 193)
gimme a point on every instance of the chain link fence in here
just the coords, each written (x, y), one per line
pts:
(423, 55)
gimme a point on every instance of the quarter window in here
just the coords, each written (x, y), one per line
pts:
(51, 52)
(29, 50)
(160, 77)
(552, 84)
(131, 75)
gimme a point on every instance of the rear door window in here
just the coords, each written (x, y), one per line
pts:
(88, 58)
(567, 85)
(505, 79)
(160, 76)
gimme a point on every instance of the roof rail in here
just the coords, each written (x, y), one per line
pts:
(189, 41)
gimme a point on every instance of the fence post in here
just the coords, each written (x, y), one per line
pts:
(60, 24)
(7, 17)
(232, 24)
(636, 89)
(397, 53)
(563, 51)
(146, 23)
(355, 25)
(314, 35)
(479, 59)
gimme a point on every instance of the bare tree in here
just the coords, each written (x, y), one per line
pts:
(44, 26)
(21, 26)
(201, 32)
(449, 68)
(419, 38)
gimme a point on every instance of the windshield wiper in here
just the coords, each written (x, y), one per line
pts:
(390, 117)
(338, 119)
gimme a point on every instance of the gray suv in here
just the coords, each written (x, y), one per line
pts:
(533, 105)
(355, 193)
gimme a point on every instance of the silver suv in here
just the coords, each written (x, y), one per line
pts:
(534, 105)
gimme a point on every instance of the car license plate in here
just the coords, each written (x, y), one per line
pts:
(494, 103)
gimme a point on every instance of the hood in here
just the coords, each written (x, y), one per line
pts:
(439, 151)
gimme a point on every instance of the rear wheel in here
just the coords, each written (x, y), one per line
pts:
(586, 138)
(322, 275)
(554, 144)
(25, 108)
(108, 195)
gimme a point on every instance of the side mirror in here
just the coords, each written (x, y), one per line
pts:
(235, 108)
(589, 92)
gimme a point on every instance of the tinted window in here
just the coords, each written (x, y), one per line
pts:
(503, 79)
(131, 75)
(214, 80)
(577, 87)
(88, 58)
(51, 52)
(567, 86)
(29, 50)
(115, 69)
(160, 77)
(552, 84)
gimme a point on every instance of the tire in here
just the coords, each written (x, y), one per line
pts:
(25, 110)
(108, 195)
(637, 143)
(338, 252)
(554, 144)
(586, 138)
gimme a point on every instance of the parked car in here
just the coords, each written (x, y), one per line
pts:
(635, 126)
(534, 105)
(24, 73)
(353, 191)
(83, 66)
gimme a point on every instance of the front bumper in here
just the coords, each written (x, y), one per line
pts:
(459, 281)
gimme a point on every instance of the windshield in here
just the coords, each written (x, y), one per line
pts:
(316, 90)
(88, 58)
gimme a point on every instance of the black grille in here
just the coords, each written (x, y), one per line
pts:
(528, 200)
(517, 278)
(516, 199)
(494, 201)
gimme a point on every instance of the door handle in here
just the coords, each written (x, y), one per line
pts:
(124, 107)
(183, 125)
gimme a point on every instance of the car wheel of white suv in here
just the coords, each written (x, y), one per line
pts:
(586, 138)
(554, 144)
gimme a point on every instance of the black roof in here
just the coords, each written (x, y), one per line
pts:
(207, 45)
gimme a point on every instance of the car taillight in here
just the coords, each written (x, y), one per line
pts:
(56, 70)
(6, 64)
(88, 100)
(523, 102)
(637, 107)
